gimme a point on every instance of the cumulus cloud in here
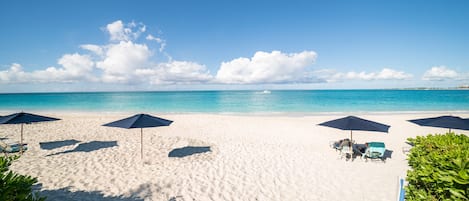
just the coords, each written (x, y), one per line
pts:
(118, 31)
(75, 67)
(176, 72)
(14, 74)
(440, 73)
(122, 59)
(384, 74)
(265, 67)
(127, 61)
(130, 62)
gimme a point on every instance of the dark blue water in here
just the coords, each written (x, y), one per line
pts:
(296, 101)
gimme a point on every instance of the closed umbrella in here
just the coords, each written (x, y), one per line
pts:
(140, 121)
(450, 122)
(24, 118)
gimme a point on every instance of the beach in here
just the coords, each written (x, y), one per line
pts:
(212, 157)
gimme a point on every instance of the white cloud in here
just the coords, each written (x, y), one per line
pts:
(75, 67)
(122, 59)
(176, 72)
(390, 74)
(14, 74)
(128, 61)
(160, 41)
(265, 67)
(120, 32)
(440, 73)
(384, 74)
(96, 49)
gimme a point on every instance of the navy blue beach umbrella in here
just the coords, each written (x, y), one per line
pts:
(353, 123)
(140, 121)
(24, 118)
(450, 122)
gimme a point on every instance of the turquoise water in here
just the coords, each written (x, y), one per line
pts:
(288, 101)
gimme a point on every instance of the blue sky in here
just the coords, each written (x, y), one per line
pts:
(184, 45)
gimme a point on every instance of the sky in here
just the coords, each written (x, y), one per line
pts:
(139, 45)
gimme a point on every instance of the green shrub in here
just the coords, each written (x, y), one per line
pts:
(440, 168)
(15, 187)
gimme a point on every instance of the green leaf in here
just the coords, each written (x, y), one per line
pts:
(458, 193)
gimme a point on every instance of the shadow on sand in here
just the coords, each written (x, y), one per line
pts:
(187, 151)
(387, 154)
(57, 144)
(143, 192)
(67, 194)
(147, 191)
(89, 147)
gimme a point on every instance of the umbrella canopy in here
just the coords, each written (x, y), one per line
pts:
(354, 123)
(444, 122)
(24, 118)
(140, 121)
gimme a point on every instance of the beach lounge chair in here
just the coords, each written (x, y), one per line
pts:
(9, 146)
(346, 151)
(359, 149)
(343, 146)
(406, 149)
(337, 145)
(375, 150)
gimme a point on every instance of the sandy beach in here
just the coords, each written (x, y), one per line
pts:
(211, 157)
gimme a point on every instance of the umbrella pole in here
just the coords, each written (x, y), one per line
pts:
(141, 143)
(351, 145)
(21, 140)
(351, 139)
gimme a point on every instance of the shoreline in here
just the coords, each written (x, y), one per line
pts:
(277, 114)
(462, 88)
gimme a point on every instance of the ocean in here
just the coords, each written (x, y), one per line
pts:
(263, 102)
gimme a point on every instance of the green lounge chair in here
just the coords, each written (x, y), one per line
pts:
(375, 150)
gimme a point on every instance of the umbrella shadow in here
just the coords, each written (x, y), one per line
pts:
(147, 191)
(57, 144)
(89, 147)
(67, 194)
(188, 151)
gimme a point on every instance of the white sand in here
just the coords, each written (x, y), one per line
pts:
(252, 158)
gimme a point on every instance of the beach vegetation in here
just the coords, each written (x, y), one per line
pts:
(13, 186)
(439, 168)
